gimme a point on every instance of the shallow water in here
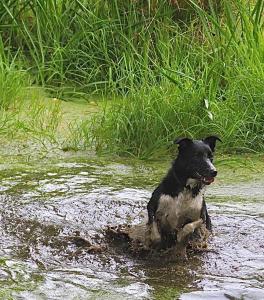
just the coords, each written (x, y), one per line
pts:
(45, 203)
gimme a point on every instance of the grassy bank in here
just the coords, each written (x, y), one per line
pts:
(173, 68)
(25, 113)
(91, 46)
(213, 85)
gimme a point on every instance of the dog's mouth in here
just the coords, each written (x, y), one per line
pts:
(207, 180)
(204, 179)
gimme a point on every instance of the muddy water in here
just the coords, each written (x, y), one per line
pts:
(45, 203)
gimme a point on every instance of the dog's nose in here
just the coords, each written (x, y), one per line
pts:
(213, 173)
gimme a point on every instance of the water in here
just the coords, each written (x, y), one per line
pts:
(45, 203)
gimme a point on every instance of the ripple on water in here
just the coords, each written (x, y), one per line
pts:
(41, 211)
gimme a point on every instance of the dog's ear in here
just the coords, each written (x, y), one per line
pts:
(211, 140)
(182, 142)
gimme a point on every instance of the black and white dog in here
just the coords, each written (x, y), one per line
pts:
(177, 206)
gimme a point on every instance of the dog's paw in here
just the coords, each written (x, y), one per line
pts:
(188, 229)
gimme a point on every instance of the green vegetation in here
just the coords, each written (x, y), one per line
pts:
(170, 68)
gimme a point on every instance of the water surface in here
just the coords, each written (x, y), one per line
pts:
(46, 202)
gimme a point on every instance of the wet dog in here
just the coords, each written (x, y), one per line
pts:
(177, 207)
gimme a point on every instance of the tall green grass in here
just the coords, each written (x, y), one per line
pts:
(25, 113)
(214, 85)
(91, 46)
(191, 71)
(31, 118)
(12, 79)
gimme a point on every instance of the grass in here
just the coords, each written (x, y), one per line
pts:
(12, 80)
(33, 119)
(24, 111)
(146, 123)
(214, 88)
(93, 46)
(193, 70)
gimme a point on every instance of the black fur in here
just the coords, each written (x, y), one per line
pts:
(194, 161)
(205, 216)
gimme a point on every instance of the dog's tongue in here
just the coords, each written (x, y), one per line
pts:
(208, 180)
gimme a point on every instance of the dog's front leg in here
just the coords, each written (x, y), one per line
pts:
(188, 229)
(183, 237)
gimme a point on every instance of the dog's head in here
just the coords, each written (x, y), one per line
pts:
(195, 158)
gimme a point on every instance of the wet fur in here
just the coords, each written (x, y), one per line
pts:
(174, 212)
(177, 207)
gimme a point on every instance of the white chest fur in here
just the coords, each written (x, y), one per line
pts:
(172, 213)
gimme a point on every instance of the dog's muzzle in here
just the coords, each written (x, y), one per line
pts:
(207, 179)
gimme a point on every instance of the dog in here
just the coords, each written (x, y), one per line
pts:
(177, 207)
